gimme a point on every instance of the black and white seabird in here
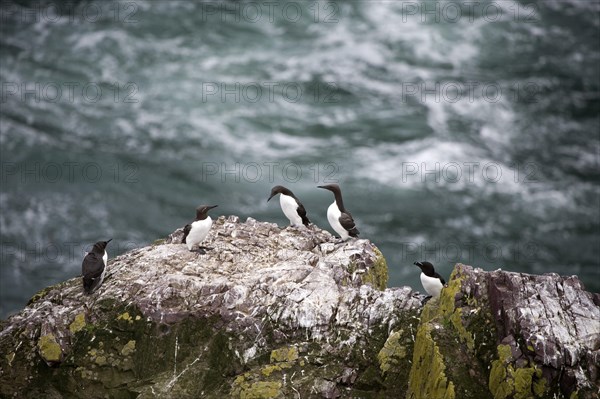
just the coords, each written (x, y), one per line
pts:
(195, 232)
(94, 266)
(432, 282)
(291, 206)
(339, 218)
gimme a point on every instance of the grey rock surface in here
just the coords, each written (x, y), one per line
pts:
(558, 320)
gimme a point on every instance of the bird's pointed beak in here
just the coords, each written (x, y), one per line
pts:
(418, 264)
(270, 197)
(320, 186)
(109, 241)
(214, 206)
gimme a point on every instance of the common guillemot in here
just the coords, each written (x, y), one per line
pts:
(339, 218)
(432, 282)
(291, 206)
(94, 266)
(195, 232)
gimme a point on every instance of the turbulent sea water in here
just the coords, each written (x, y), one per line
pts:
(458, 133)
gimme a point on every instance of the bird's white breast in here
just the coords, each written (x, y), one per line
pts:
(432, 285)
(333, 216)
(289, 206)
(104, 259)
(198, 232)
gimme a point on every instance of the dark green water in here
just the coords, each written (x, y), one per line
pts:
(458, 133)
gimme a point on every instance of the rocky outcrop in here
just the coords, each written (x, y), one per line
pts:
(285, 313)
(266, 312)
(508, 335)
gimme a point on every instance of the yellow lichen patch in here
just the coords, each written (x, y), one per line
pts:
(239, 380)
(465, 336)
(504, 353)
(377, 274)
(49, 349)
(506, 381)
(98, 356)
(271, 368)
(539, 386)
(392, 352)
(500, 383)
(523, 382)
(430, 311)
(101, 361)
(128, 348)
(449, 312)
(427, 376)
(288, 354)
(77, 324)
(448, 294)
(260, 390)
(125, 316)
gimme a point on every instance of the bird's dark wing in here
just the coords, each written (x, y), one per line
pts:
(302, 212)
(441, 278)
(92, 265)
(91, 269)
(186, 231)
(348, 223)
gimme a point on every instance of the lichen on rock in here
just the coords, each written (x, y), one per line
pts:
(278, 313)
(470, 337)
(49, 349)
(267, 312)
(78, 324)
(288, 354)
(392, 353)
